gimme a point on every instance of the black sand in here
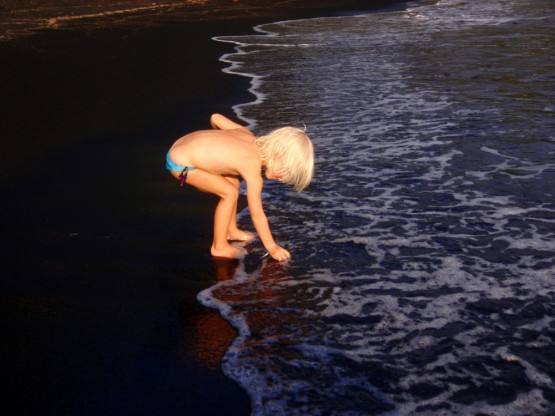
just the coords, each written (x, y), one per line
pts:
(102, 253)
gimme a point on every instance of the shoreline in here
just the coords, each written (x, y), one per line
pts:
(103, 254)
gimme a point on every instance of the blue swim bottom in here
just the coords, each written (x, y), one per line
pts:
(174, 167)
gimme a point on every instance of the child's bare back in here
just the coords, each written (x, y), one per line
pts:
(221, 152)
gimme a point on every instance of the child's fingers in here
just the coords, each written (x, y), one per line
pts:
(281, 254)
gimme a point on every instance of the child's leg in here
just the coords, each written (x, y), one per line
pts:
(225, 210)
(233, 232)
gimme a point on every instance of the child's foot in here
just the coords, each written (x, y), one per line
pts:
(240, 235)
(228, 252)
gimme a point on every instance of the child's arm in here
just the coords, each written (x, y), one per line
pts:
(254, 197)
(223, 123)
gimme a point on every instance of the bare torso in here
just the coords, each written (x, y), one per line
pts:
(221, 152)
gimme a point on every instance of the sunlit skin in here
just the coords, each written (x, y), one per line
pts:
(221, 156)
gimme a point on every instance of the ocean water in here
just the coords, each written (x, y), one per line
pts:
(423, 272)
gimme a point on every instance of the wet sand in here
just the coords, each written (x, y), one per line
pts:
(102, 253)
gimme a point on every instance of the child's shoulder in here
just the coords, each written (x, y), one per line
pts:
(245, 135)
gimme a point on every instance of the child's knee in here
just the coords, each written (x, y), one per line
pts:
(231, 193)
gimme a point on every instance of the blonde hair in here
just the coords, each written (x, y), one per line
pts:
(295, 152)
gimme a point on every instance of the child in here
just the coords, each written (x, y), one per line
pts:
(213, 160)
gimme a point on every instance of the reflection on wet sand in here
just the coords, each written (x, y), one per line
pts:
(211, 334)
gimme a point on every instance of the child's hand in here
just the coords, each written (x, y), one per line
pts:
(279, 253)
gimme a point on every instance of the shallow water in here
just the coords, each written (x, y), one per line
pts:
(424, 253)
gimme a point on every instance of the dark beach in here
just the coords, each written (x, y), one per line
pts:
(103, 254)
